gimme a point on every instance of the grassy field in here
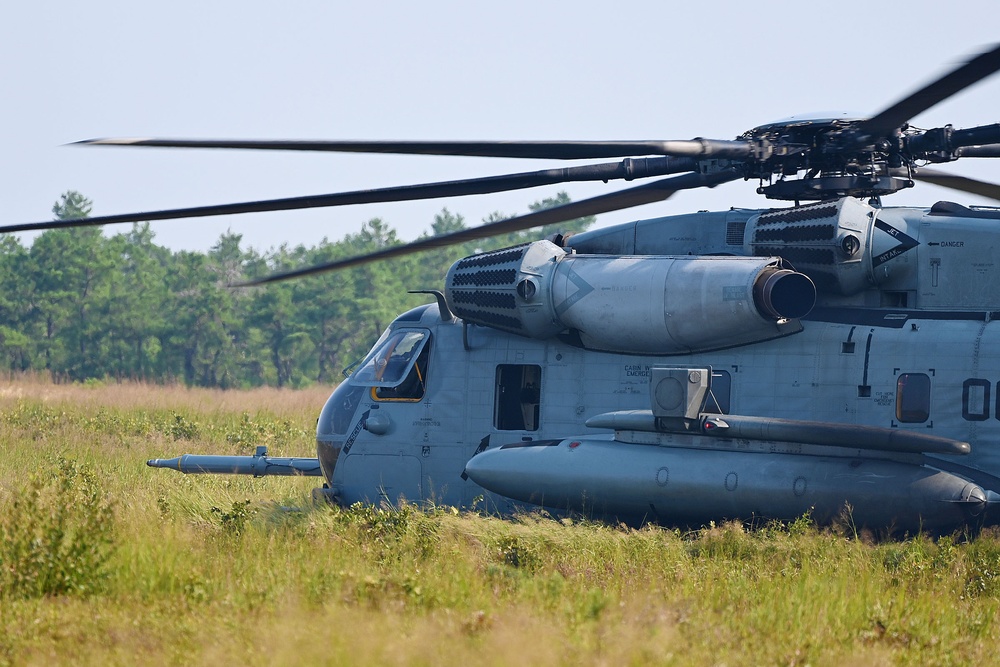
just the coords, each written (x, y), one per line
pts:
(105, 561)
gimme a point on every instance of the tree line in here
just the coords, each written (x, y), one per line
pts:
(80, 305)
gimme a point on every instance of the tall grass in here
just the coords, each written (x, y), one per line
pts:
(213, 569)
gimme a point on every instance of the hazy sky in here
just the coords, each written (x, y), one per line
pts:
(436, 70)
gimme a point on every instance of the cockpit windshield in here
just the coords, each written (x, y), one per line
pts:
(392, 359)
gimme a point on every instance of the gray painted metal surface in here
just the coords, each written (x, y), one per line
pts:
(258, 466)
(602, 479)
(851, 436)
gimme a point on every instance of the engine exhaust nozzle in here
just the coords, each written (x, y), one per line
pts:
(784, 294)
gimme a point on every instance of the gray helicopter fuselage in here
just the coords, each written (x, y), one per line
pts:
(902, 337)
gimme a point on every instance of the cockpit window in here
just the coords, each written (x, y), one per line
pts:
(388, 364)
(393, 367)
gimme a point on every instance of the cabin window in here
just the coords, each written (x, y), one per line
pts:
(518, 394)
(717, 401)
(396, 370)
(976, 400)
(913, 398)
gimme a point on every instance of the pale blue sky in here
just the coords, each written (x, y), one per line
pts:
(436, 70)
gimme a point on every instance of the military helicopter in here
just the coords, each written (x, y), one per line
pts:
(833, 355)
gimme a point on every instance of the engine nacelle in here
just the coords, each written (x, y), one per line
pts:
(640, 304)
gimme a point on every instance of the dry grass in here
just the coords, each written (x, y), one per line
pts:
(200, 575)
(302, 404)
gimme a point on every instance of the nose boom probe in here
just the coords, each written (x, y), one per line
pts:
(258, 465)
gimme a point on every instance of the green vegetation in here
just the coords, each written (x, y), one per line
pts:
(83, 306)
(104, 561)
(56, 534)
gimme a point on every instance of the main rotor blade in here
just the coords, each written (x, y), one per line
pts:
(961, 183)
(553, 150)
(643, 194)
(887, 121)
(628, 169)
(986, 150)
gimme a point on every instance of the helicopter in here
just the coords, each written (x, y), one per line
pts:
(832, 357)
